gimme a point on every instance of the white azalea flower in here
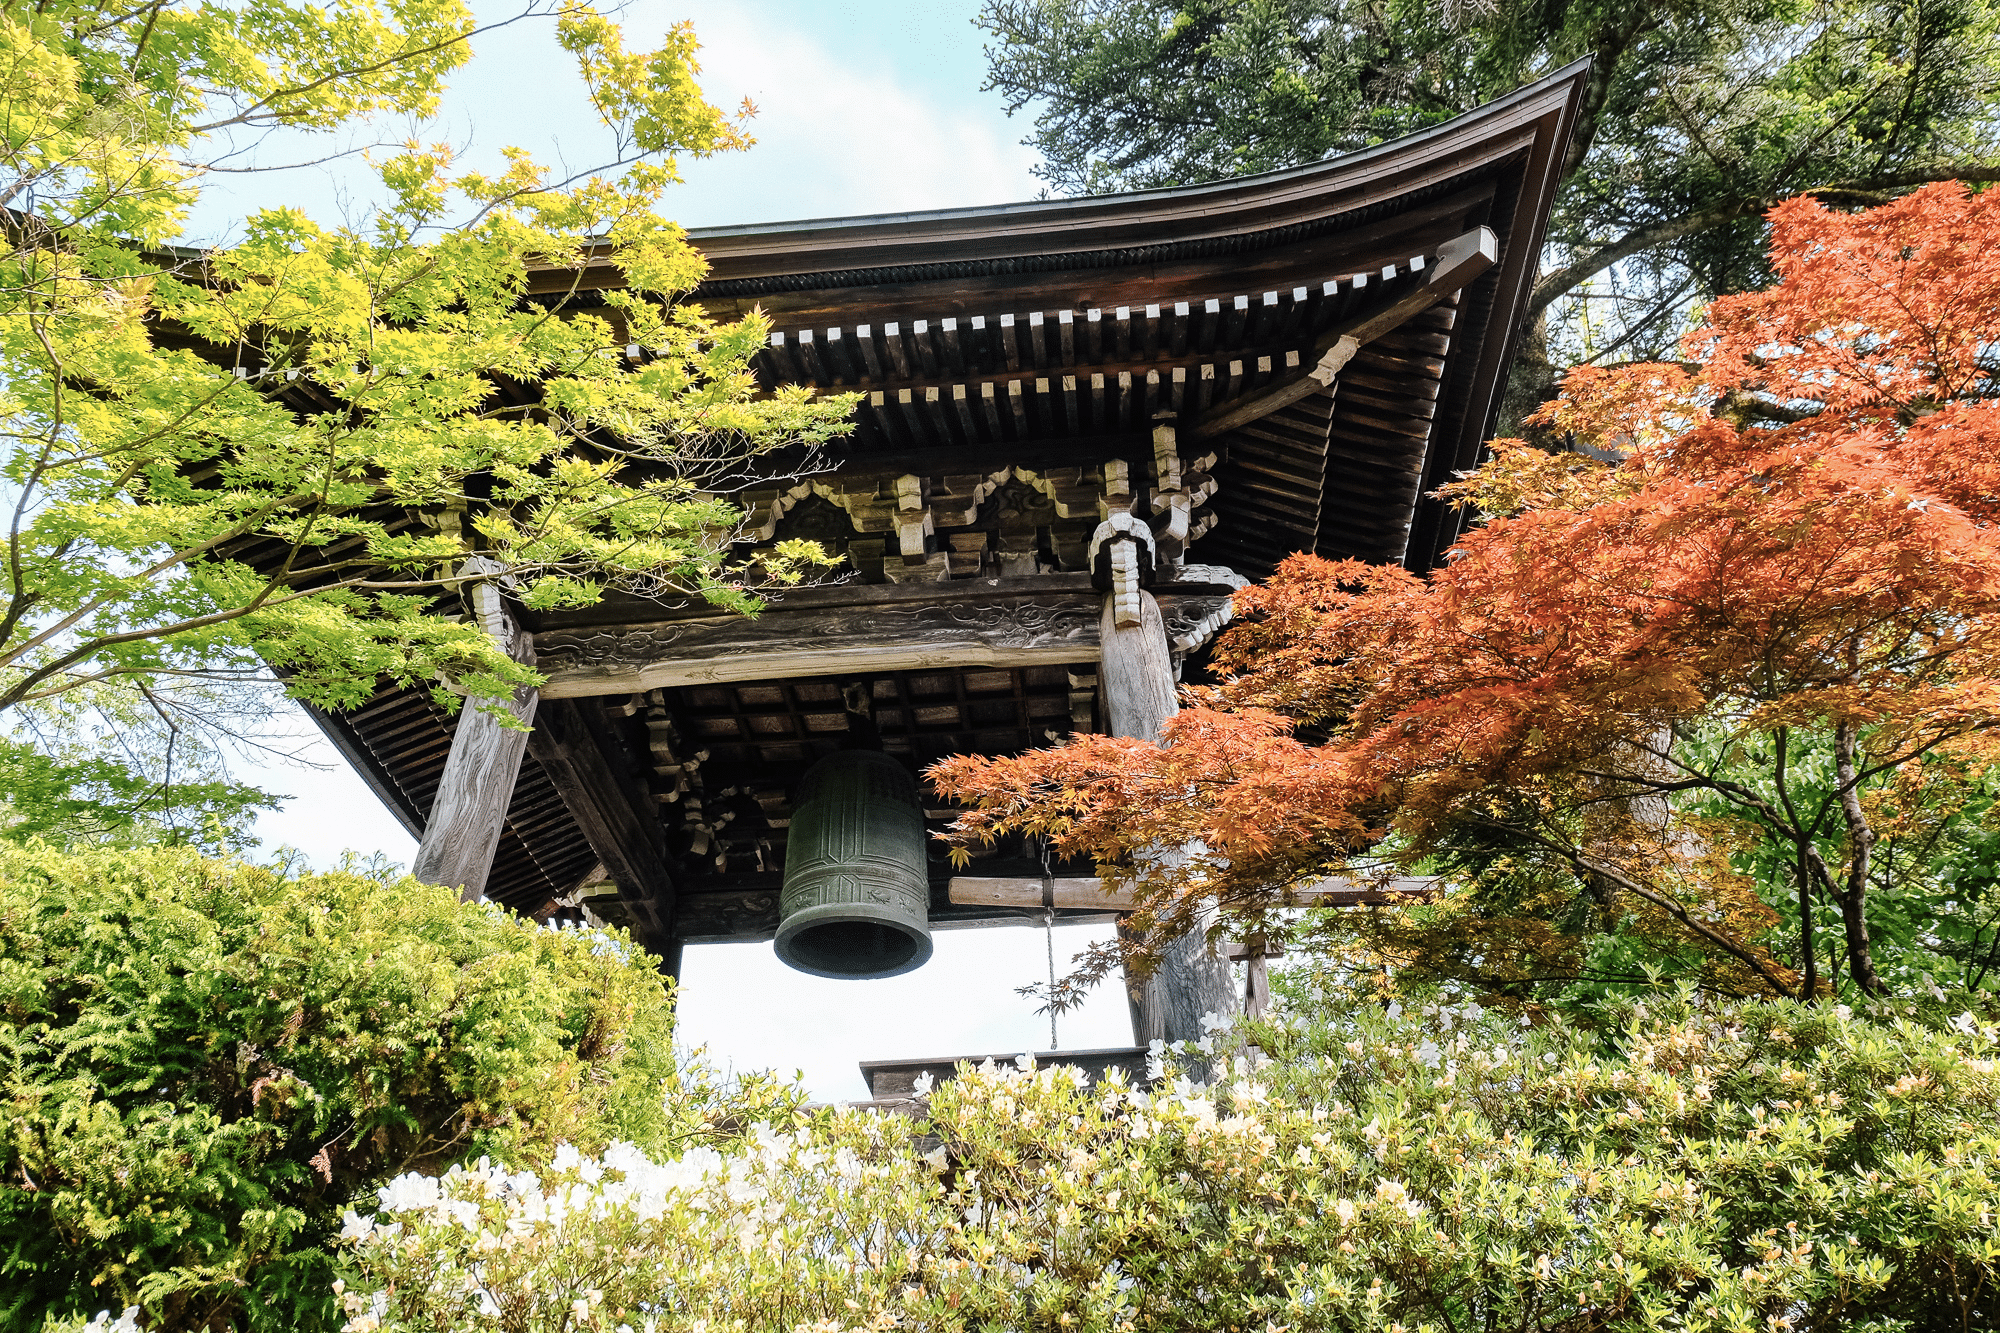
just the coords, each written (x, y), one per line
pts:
(410, 1192)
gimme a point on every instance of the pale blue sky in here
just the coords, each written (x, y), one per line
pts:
(864, 108)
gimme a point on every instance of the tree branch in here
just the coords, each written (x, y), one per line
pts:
(1551, 286)
(1581, 862)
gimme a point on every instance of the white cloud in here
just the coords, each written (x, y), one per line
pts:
(839, 136)
(847, 124)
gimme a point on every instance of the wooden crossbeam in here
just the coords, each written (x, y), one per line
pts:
(876, 636)
(1067, 894)
(1091, 895)
(1253, 953)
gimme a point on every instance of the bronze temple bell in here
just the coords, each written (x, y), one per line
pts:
(856, 901)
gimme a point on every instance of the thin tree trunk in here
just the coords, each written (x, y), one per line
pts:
(1531, 377)
(1860, 852)
(1802, 839)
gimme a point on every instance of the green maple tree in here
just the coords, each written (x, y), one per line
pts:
(281, 454)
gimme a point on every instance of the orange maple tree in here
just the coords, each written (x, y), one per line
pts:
(1771, 620)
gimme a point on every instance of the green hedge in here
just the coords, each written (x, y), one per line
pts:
(206, 1060)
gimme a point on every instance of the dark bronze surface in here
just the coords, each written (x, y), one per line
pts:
(856, 902)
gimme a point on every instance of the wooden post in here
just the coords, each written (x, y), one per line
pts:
(1252, 953)
(1138, 684)
(478, 783)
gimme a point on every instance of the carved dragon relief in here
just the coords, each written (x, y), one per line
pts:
(1192, 621)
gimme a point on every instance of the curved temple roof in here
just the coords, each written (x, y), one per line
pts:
(1053, 335)
(977, 331)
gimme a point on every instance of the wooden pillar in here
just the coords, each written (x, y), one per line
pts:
(485, 759)
(1138, 684)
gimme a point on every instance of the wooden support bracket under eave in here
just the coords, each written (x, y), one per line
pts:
(568, 747)
(1090, 895)
(1459, 261)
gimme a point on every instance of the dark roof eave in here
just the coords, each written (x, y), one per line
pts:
(1494, 131)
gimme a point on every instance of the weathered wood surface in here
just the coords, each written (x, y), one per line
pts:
(1090, 894)
(611, 817)
(890, 636)
(1020, 891)
(1253, 953)
(478, 784)
(1136, 676)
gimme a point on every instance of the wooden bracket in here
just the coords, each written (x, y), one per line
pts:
(1123, 557)
(598, 799)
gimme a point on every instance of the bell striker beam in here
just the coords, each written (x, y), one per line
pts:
(1138, 683)
(485, 760)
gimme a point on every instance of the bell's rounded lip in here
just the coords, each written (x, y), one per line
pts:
(829, 913)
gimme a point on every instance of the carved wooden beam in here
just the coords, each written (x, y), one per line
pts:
(732, 916)
(861, 639)
(1459, 261)
(606, 810)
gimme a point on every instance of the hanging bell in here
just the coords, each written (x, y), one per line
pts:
(856, 901)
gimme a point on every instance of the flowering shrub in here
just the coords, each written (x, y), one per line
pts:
(205, 1060)
(1764, 1167)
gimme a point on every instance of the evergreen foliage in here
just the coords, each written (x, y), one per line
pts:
(1697, 116)
(205, 1059)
